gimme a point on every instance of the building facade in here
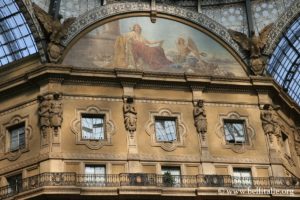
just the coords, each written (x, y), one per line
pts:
(150, 100)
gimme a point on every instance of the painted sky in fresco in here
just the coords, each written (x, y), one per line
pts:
(198, 52)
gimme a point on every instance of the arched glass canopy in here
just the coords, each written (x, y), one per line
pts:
(284, 64)
(16, 40)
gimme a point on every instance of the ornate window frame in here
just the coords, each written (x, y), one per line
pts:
(5, 137)
(181, 129)
(250, 133)
(109, 124)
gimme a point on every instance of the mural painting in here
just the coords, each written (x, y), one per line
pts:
(165, 46)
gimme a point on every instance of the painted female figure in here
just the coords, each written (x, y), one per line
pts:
(132, 50)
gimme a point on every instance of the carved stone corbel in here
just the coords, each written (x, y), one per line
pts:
(270, 124)
(297, 140)
(50, 113)
(130, 115)
(200, 119)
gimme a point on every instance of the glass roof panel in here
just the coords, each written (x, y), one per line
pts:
(285, 61)
(16, 40)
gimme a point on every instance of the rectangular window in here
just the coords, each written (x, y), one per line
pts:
(93, 127)
(165, 129)
(242, 177)
(171, 176)
(95, 174)
(14, 183)
(235, 132)
(286, 146)
(17, 137)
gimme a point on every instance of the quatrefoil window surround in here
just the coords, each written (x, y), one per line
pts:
(164, 125)
(93, 127)
(14, 137)
(235, 132)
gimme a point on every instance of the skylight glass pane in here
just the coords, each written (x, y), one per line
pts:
(13, 28)
(284, 63)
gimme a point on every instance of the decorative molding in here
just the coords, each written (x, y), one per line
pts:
(92, 98)
(89, 156)
(163, 101)
(18, 107)
(110, 10)
(280, 27)
(180, 126)
(159, 101)
(169, 158)
(230, 160)
(232, 105)
(25, 163)
(250, 133)
(289, 160)
(109, 127)
(5, 138)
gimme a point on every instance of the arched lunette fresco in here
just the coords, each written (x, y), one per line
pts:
(164, 46)
(100, 13)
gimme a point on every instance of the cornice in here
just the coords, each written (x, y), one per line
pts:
(18, 107)
(138, 79)
(24, 163)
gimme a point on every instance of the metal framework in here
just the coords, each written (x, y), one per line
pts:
(16, 40)
(285, 61)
